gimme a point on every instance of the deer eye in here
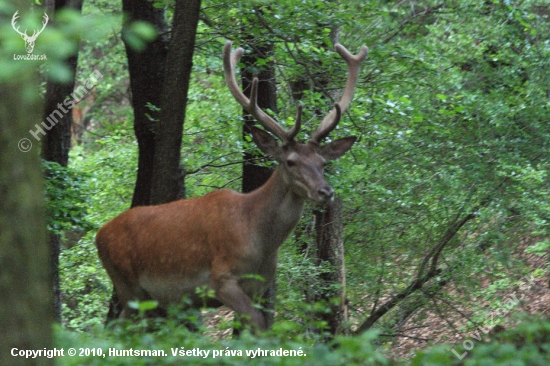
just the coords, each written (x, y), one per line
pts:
(290, 163)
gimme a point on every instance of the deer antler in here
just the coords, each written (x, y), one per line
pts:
(13, 19)
(331, 120)
(250, 105)
(37, 32)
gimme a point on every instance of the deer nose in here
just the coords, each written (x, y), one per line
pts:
(326, 193)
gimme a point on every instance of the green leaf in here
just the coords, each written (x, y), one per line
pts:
(540, 248)
(143, 305)
(138, 34)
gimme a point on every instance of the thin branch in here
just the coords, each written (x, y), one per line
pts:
(211, 164)
(220, 187)
(408, 20)
(379, 281)
(405, 336)
(448, 303)
(440, 314)
(390, 304)
(420, 280)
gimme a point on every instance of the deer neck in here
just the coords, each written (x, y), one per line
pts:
(274, 211)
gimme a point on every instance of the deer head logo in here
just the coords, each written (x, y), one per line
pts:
(29, 40)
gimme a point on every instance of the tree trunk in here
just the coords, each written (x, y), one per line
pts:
(330, 250)
(254, 175)
(146, 69)
(56, 141)
(168, 174)
(26, 313)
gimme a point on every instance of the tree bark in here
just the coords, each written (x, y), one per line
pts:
(255, 175)
(168, 174)
(146, 68)
(26, 313)
(330, 250)
(56, 142)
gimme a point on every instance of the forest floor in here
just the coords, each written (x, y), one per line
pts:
(431, 328)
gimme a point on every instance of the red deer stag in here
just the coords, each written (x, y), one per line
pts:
(218, 240)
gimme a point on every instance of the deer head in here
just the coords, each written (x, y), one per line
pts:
(302, 165)
(29, 40)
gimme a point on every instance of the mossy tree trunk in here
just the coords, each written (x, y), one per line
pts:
(26, 311)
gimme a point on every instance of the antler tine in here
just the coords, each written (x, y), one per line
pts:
(13, 19)
(353, 61)
(320, 135)
(291, 134)
(44, 23)
(250, 105)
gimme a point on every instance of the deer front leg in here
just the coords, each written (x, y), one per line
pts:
(230, 293)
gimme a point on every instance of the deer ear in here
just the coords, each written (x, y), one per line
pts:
(265, 142)
(333, 150)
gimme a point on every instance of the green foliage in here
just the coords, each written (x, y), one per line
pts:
(56, 42)
(110, 175)
(527, 344)
(66, 198)
(296, 276)
(143, 306)
(172, 337)
(138, 34)
(85, 286)
(540, 247)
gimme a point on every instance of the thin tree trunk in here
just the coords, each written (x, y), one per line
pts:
(330, 250)
(56, 141)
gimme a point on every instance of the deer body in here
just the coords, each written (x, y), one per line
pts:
(219, 240)
(201, 251)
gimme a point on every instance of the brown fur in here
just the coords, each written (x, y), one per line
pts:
(165, 252)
